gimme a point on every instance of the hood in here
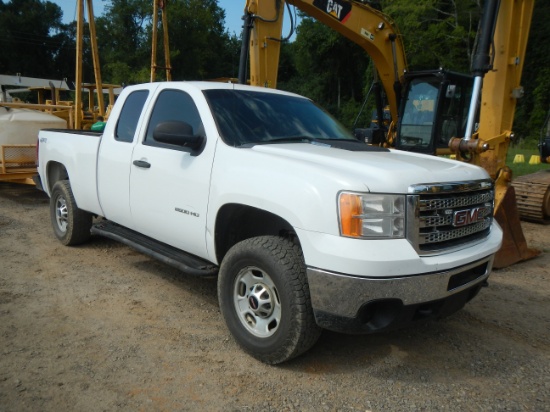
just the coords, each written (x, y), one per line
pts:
(390, 171)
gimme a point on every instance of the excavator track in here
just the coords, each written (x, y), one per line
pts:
(533, 196)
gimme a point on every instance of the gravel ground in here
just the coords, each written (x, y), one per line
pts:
(101, 327)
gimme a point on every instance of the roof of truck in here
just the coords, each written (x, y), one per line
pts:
(206, 85)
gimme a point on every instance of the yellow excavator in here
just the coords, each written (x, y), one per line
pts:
(436, 112)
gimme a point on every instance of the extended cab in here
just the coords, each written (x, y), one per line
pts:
(305, 227)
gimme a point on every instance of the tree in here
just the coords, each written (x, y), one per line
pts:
(436, 33)
(533, 107)
(33, 38)
(328, 68)
(122, 41)
(200, 47)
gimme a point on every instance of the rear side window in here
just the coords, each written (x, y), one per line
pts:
(129, 116)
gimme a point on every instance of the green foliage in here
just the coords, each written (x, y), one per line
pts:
(122, 37)
(33, 39)
(319, 63)
(36, 43)
(436, 33)
(348, 112)
(200, 46)
(541, 105)
(326, 67)
(532, 108)
(122, 73)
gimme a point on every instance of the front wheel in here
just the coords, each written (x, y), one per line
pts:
(71, 225)
(264, 298)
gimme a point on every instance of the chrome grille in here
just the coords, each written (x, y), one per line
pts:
(437, 220)
(445, 235)
(459, 201)
(446, 216)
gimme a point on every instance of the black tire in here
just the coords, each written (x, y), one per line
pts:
(70, 224)
(264, 298)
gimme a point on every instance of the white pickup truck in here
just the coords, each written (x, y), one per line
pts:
(305, 227)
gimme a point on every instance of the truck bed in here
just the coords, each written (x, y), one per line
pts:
(76, 152)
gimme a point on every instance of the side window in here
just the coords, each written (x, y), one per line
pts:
(129, 116)
(173, 105)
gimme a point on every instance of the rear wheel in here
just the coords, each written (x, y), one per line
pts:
(264, 298)
(70, 224)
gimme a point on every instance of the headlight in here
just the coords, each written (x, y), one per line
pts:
(372, 215)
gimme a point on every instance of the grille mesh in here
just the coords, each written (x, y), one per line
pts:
(459, 201)
(445, 235)
(446, 220)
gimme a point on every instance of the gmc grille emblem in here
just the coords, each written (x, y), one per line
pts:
(467, 217)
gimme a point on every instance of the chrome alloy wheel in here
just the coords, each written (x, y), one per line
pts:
(257, 302)
(61, 213)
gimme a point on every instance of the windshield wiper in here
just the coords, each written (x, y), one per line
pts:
(291, 139)
(288, 139)
(301, 139)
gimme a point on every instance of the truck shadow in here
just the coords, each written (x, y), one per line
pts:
(456, 349)
(23, 194)
(205, 287)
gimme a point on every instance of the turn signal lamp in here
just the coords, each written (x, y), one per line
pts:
(372, 215)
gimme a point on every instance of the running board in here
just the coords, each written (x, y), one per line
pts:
(179, 259)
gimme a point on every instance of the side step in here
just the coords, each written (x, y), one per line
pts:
(179, 259)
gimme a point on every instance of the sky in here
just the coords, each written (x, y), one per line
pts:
(233, 13)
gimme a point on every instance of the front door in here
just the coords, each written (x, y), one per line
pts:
(169, 186)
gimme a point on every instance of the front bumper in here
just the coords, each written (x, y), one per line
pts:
(364, 304)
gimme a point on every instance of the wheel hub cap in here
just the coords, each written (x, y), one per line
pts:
(61, 213)
(260, 300)
(257, 302)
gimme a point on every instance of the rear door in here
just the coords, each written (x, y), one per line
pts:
(115, 154)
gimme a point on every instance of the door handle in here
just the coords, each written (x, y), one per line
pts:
(142, 163)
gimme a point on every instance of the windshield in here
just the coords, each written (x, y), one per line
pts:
(418, 117)
(247, 117)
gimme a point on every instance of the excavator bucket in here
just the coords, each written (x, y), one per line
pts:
(514, 246)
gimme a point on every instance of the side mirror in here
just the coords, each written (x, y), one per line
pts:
(179, 134)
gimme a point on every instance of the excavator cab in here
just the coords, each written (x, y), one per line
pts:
(433, 110)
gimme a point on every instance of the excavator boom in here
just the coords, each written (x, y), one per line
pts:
(502, 85)
(501, 90)
(367, 27)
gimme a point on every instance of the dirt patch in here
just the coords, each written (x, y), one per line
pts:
(102, 327)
